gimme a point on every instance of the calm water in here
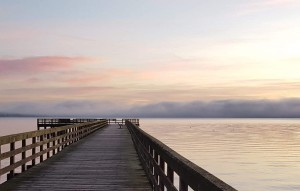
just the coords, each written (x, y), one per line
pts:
(249, 154)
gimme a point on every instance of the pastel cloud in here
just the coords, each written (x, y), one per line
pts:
(39, 64)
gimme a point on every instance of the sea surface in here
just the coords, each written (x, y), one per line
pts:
(248, 154)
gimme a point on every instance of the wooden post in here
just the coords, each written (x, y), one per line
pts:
(12, 159)
(23, 155)
(58, 142)
(53, 144)
(72, 136)
(41, 148)
(162, 166)
(76, 134)
(170, 174)
(182, 185)
(63, 139)
(48, 146)
(156, 160)
(33, 150)
(151, 166)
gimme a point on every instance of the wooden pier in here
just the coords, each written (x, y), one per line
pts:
(50, 123)
(99, 155)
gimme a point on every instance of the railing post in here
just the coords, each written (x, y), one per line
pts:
(33, 150)
(155, 171)
(182, 185)
(162, 166)
(41, 148)
(48, 146)
(72, 135)
(76, 134)
(53, 144)
(58, 142)
(151, 166)
(12, 160)
(23, 155)
(170, 174)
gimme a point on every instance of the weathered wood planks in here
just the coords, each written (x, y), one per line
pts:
(106, 160)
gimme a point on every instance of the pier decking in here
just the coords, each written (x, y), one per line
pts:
(98, 155)
(106, 160)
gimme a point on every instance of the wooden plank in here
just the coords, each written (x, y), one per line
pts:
(105, 160)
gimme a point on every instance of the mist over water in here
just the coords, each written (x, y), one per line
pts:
(248, 154)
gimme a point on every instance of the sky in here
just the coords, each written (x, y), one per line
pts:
(150, 57)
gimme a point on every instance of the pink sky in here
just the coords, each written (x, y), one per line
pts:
(149, 52)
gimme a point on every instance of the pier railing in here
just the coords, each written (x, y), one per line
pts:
(122, 121)
(44, 123)
(58, 122)
(48, 142)
(161, 162)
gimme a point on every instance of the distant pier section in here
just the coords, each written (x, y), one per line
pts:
(50, 123)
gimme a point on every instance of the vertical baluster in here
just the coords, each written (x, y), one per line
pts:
(53, 144)
(12, 160)
(72, 135)
(67, 137)
(41, 148)
(162, 166)
(63, 139)
(76, 134)
(151, 166)
(182, 185)
(155, 171)
(48, 145)
(150, 151)
(33, 150)
(79, 133)
(23, 155)
(58, 142)
(170, 174)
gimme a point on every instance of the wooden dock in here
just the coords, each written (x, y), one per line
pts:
(98, 155)
(106, 160)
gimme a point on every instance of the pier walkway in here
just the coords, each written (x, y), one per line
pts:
(106, 160)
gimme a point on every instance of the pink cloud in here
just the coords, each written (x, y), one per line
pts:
(39, 64)
(103, 75)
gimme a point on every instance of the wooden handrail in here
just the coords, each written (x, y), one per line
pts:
(155, 156)
(54, 139)
(62, 122)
